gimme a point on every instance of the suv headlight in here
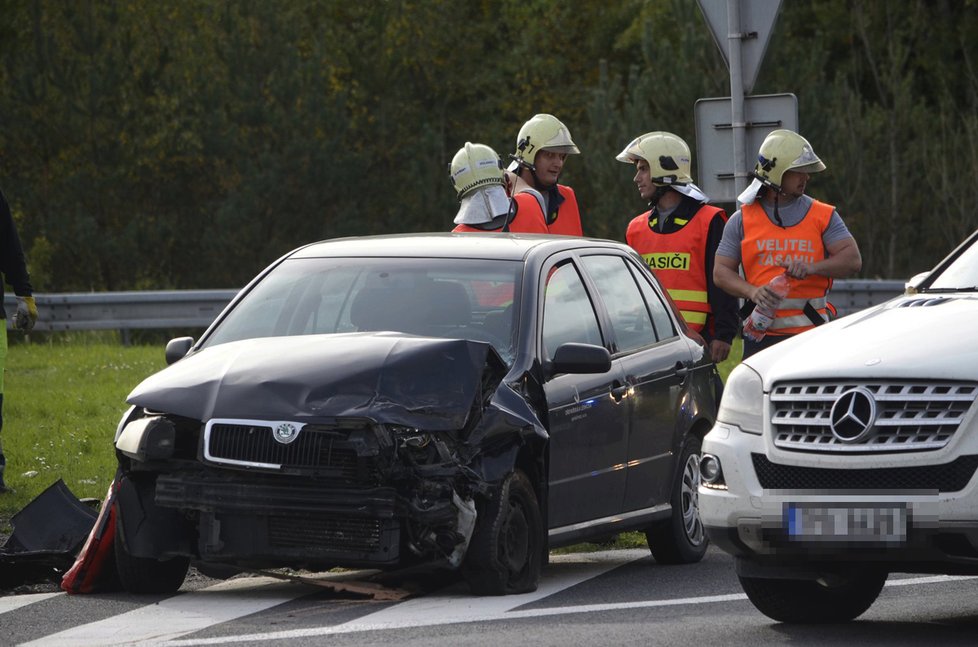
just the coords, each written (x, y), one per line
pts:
(742, 403)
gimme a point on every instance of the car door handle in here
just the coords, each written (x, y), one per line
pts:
(618, 391)
(680, 369)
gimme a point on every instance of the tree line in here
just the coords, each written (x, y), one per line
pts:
(188, 143)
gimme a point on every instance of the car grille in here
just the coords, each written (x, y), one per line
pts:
(911, 416)
(350, 533)
(949, 477)
(317, 448)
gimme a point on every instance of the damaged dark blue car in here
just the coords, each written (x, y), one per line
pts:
(465, 400)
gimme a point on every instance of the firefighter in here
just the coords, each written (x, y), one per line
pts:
(678, 237)
(779, 228)
(542, 146)
(484, 201)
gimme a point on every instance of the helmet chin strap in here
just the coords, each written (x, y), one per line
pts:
(660, 191)
(777, 198)
(511, 216)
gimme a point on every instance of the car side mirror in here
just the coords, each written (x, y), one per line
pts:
(580, 358)
(177, 349)
(911, 286)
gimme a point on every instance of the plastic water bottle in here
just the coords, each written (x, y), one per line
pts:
(761, 318)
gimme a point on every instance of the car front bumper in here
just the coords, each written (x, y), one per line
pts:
(749, 520)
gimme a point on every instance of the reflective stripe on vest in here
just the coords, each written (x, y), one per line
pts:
(694, 319)
(678, 259)
(766, 244)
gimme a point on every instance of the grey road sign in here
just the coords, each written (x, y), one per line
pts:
(756, 23)
(714, 138)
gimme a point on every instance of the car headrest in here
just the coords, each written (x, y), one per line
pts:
(447, 304)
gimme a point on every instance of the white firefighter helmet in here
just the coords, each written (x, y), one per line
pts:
(480, 186)
(475, 165)
(668, 158)
(542, 132)
(781, 150)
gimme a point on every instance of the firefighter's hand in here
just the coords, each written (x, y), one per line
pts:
(796, 269)
(26, 314)
(719, 350)
(763, 296)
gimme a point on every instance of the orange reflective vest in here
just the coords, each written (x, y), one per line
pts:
(567, 219)
(765, 245)
(678, 260)
(528, 220)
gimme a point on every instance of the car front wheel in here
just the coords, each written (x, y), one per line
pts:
(680, 539)
(506, 552)
(146, 575)
(838, 598)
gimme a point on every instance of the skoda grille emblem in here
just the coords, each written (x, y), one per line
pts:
(853, 415)
(285, 433)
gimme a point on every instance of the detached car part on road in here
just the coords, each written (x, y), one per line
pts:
(463, 400)
(850, 451)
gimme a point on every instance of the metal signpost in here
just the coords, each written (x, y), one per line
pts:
(741, 29)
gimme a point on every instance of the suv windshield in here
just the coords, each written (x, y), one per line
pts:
(961, 274)
(433, 297)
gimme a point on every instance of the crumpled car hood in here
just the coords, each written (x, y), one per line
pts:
(391, 378)
(912, 337)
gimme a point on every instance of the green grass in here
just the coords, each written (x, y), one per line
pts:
(62, 401)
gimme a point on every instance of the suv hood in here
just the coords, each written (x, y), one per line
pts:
(387, 377)
(919, 336)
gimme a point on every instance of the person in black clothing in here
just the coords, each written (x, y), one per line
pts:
(14, 270)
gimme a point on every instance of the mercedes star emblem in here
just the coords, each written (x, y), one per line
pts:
(853, 415)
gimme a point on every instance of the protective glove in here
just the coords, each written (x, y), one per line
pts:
(26, 314)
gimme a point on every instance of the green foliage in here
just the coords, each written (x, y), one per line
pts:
(188, 144)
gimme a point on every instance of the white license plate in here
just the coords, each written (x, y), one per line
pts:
(850, 522)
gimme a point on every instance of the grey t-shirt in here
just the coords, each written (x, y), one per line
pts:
(791, 214)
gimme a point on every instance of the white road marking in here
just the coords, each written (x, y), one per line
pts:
(177, 616)
(170, 620)
(453, 605)
(10, 602)
(936, 579)
(421, 615)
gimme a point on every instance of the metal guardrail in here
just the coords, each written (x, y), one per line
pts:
(125, 310)
(198, 308)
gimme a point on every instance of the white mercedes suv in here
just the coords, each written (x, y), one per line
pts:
(850, 451)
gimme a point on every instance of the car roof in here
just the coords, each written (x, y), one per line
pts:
(491, 246)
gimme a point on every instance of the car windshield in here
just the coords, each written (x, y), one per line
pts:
(962, 274)
(435, 297)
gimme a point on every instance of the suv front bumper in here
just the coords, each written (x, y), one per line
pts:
(749, 520)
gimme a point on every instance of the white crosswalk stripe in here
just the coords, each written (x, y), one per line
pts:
(173, 621)
(180, 615)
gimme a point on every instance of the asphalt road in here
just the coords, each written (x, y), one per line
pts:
(607, 598)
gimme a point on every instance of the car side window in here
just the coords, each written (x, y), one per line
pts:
(568, 315)
(626, 307)
(664, 328)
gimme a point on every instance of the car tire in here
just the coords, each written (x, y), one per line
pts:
(505, 554)
(146, 575)
(814, 601)
(681, 539)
